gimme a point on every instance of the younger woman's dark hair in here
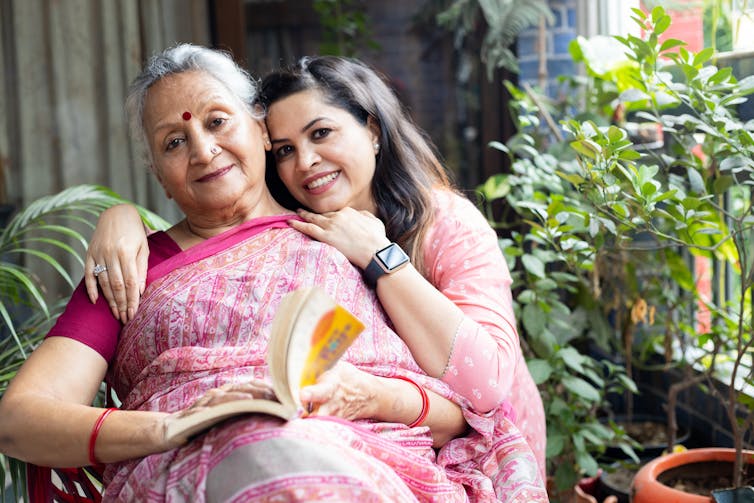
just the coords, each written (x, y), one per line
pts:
(407, 167)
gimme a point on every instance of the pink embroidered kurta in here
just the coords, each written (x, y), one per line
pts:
(204, 321)
(466, 264)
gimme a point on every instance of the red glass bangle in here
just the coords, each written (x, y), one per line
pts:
(95, 432)
(425, 401)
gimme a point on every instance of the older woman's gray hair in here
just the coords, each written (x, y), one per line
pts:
(183, 58)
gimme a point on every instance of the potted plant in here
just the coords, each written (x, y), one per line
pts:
(41, 234)
(623, 220)
(557, 313)
(695, 198)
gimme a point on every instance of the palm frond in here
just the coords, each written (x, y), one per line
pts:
(30, 334)
(25, 281)
(42, 230)
(5, 316)
(504, 19)
(508, 21)
(153, 220)
(79, 198)
(29, 234)
(17, 470)
(51, 261)
(459, 16)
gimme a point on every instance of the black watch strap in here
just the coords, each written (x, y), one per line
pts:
(373, 272)
(385, 261)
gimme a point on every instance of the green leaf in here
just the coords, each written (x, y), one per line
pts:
(629, 155)
(662, 24)
(526, 297)
(721, 75)
(586, 148)
(555, 444)
(51, 261)
(499, 146)
(640, 15)
(723, 183)
(703, 56)
(543, 342)
(629, 451)
(615, 134)
(533, 319)
(627, 383)
(696, 182)
(496, 187)
(24, 280)
(533, 265)
(649, 188)
(580, 387)
(572, 358)
(540, 370)
(44, 225)
(5, 315)
(671, 43)
(587, 463)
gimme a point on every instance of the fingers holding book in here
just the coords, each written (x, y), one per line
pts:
(343, 391)
(254, 389)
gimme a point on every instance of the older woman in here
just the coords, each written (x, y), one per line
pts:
(214, 282)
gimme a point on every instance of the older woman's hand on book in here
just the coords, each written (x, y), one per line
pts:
(253, 389)
(231, 392)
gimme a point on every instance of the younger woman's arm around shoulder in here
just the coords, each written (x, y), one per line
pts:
(119, 243)
(468, 299)
(46, 419)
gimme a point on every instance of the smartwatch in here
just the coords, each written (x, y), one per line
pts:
(386, 261)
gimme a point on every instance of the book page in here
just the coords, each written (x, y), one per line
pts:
(193, 422)
(322, 332)
(277, 349)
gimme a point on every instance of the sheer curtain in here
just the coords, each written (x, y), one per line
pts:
(66, 66)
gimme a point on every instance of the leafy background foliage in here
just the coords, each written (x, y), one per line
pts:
(601, 230)
(44, 234)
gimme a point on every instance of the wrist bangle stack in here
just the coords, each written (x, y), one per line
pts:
(93, 437)
(425, 401)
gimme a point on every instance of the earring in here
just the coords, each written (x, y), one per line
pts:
(267, 143)
(376, 147)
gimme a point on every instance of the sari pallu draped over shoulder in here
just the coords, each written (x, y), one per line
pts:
(204, 321)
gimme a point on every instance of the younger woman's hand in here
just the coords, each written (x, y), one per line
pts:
(120, 244)
(356, 234)
(343, 391)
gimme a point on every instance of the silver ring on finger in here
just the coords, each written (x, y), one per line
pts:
(99, 269)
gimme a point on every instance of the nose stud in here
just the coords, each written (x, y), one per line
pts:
(215, 150)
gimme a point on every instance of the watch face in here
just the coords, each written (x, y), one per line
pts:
(392, 257)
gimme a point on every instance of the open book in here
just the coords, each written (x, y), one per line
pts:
(309, 333)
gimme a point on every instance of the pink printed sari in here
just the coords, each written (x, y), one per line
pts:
(204, 321)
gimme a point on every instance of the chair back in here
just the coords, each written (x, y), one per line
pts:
(63, 485)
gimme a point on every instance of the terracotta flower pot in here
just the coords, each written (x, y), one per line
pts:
(647, 487)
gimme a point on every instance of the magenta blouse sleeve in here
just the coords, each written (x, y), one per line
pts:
(466, 264)
(93, 324)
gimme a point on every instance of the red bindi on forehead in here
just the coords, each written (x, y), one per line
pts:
(186, 116)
